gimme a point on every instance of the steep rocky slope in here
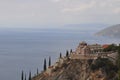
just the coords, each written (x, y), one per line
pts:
(75, 70)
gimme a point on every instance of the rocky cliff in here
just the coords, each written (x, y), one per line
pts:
(76, 69)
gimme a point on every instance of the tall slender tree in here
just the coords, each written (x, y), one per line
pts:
(60, 55)
(49, 61)
(22, 75)
(67, 53)
(119, 56)
(45, 66)
(30, 76)
(37, 71)
(118, 62)
(25, 76)
(71, 51)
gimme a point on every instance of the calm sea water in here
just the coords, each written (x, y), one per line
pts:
(26, 49)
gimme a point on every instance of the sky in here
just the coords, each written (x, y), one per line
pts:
(58, 12)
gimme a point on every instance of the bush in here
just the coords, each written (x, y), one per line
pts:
(90, 61)
(111, 47)
(105, 64)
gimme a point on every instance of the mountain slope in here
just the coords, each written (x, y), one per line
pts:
(113, 31)
(80, 70)
(69, 70)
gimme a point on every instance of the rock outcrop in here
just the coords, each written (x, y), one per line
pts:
(74, 70)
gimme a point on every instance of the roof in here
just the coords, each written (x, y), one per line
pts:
(105, 46)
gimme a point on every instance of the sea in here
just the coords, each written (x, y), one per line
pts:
(26, 49)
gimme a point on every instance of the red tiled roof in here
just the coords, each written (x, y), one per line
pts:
(105, 46)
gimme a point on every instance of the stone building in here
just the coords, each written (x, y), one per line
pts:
(96, 48)
(85, 49)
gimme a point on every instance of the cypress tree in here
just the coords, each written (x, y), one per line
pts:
(118, 58)
(37, 71)
(118, 62)
(67, 53)
(45, 66)
(49, 61)
(60, 55)
(22, 76)
(30, 76)
(71, 51)
(25, 76)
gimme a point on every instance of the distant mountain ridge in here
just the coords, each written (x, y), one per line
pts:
(112, 31)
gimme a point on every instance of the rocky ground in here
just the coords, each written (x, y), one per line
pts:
(74, 70)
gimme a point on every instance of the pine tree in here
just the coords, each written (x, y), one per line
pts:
(22, 76)
(49, 61)
(45, 66)
(60, 55)
(30, 76)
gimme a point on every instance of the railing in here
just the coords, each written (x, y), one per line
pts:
(90, 56)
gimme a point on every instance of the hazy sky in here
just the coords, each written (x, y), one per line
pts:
(41, 12)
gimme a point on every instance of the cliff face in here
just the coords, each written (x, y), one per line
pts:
(73, 70)
(112, 31)
(69, 70)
